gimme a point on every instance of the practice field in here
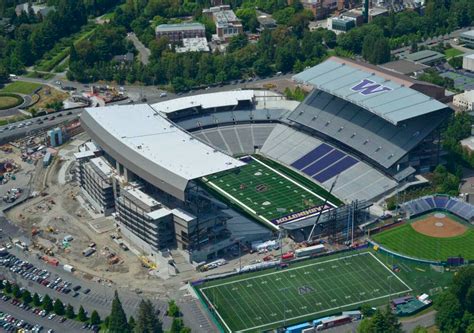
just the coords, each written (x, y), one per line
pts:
(21, 87)
(274, 298)
(268, 194)
(425, 238)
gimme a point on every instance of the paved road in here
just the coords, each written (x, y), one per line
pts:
(14, 111)
(142, 50)
(434, 40)
(31, 318)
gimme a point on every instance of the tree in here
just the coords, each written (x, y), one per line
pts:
(59, 307)
(36, 300)
(16, 291)
(8, 287)
(147, 320)
(47, 303)
(448, 317)
(173, 309)
(131, 323)
(176, 325)
(70, 312)
(81, 315)
(382, 321)
(95, 318)
(26, 297)
(366, 310)
(420, 329)
(118, 320)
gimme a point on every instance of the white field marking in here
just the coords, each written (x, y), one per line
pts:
(286, 270)
(325, 310)
(317, 304)
(217, 312)
(381, 263)
(241, 203)
(292, 181)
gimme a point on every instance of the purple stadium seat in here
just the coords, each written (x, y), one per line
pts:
(337, 168)
(312, 156)
(324, 162)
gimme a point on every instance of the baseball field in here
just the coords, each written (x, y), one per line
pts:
(434, 236)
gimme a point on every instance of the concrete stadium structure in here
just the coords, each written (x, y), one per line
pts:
(371, 128)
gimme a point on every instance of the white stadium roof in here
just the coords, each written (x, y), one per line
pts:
(205, 101)
(149, 145)
(387, 96)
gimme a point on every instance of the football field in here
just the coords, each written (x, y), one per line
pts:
(267, 194)
(274, 298)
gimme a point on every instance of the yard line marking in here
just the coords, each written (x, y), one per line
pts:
(325, 310)
(390, 270)
(287, 270)
(292, 181)
(217, 312)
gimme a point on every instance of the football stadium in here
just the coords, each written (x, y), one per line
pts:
(438, 228)
(204, 174)
(236, 166)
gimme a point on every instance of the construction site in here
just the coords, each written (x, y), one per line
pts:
(60, 227)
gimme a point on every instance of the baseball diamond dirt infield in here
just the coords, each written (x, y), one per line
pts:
(439, 225)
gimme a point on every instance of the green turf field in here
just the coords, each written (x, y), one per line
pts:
(406, 240)
(21, 87)
(308, 290)
(268, 194)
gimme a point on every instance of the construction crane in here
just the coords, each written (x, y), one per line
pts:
(321, 213)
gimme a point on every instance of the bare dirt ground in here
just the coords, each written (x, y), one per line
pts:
(441, 227)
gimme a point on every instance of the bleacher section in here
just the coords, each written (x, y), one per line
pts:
(238, 139)
(243, 131)
(202, 121)
(428, 203)
(357, 180)
(362, 130)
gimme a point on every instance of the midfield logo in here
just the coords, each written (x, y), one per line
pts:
(369, 87)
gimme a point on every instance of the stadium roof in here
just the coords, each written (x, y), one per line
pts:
(205, 101)
(150, 146)
(385, 95)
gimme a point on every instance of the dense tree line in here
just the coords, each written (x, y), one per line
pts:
(34, 35)
(290, 47)
(456, 305)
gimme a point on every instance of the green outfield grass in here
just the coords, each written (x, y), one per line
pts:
(307, 290)
(266, 193)
(406, 240)
(21, 87)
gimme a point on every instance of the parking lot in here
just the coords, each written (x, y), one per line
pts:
(27, 319)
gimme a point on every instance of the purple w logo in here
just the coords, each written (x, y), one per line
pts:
(368, 87)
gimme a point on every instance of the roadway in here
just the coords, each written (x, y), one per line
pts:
(143, 52)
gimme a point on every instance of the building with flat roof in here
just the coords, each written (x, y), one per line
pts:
(468, 62)
(464, 101)
(196, 44)
(94, 175)
(227, 23)
(404, 67)
(341, 23)
(37, 9)
(176, 32)
(425, 57)
(467, 38)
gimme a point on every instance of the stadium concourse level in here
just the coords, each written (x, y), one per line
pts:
(429, 203)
